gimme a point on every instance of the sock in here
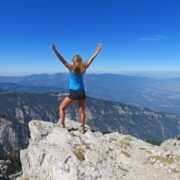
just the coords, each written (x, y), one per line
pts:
(61, 121)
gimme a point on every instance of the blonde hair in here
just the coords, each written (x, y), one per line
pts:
(78, 64)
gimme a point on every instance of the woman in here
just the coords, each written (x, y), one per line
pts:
(76, 85)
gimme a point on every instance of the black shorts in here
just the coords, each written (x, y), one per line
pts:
(77, 94)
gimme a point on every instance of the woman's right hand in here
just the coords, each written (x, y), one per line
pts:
(53, 46)
(99, 47)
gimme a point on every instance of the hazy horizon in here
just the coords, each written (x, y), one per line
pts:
(148, 74)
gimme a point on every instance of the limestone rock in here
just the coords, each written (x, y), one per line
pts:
(56, 153)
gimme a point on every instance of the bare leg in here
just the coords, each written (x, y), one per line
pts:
(81, 104)
(66, 102)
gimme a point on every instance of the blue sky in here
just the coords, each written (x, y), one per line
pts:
(137, 35)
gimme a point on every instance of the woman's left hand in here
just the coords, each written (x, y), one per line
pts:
(99, 47)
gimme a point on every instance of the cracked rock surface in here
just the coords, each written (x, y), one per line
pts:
(56, 153)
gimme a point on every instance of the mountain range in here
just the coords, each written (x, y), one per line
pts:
(157, 94)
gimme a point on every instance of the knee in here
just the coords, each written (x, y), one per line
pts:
(62, 107)
(81, 109)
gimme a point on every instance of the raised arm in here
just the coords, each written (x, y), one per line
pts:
(98, 49)
(60, 57)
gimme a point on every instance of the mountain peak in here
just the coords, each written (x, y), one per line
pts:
(58, 153)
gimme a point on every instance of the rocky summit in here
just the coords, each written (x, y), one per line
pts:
(56, 153)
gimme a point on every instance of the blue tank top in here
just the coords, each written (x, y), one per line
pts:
(76, 80)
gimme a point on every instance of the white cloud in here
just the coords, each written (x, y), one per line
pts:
(155, 38)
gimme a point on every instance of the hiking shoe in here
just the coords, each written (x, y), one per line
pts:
(82, 129)
(59, 124)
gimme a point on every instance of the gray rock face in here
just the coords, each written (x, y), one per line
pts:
(8, 137)
(55, 153)
(13, 136)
